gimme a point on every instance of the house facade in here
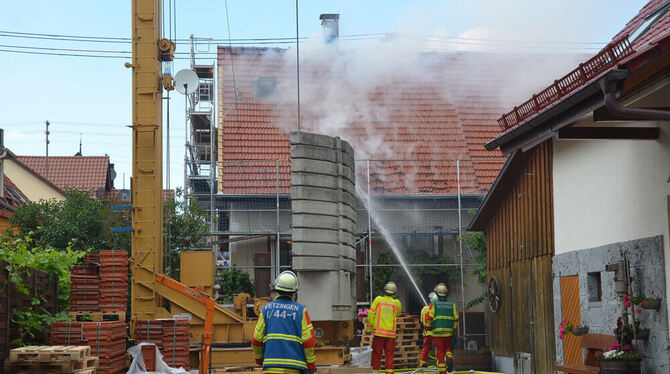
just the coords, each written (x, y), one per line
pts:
(605, 125)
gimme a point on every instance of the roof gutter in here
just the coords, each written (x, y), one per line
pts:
(609, 87)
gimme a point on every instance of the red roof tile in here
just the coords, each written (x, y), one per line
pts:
(447, 115)
(79, 172)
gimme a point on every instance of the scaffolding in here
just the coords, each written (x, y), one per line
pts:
(200, 156)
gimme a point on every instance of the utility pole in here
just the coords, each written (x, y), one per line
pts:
(47, 145)
(80, 154)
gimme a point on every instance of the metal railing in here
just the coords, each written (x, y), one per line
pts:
(606, 59)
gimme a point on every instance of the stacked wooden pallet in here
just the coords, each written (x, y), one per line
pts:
(407, 345)
(106, 339)
(51, 359)
(171, 336)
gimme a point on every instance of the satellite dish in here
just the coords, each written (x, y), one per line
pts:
(186, 81)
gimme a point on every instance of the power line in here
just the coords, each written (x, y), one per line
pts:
(287, 39)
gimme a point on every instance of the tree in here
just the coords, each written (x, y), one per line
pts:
(234, 281)
(476, 241)
(77, 221)
(185, 227)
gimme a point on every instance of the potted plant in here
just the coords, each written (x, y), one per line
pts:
(619, 359)
(362, 314)
(567, 327)
(643, 301)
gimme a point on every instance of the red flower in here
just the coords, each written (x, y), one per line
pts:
(638, 311)
(627, 304)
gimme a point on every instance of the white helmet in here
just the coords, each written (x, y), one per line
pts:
(441, 289)
(432, 297)
(286, 282)
(390, 288)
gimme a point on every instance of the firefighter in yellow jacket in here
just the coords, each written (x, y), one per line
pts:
(381, 322)
(442, 318)
(284, 342)
(427, 332)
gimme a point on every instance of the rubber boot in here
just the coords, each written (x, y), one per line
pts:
(450, 364)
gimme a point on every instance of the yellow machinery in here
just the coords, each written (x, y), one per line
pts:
(150, 289)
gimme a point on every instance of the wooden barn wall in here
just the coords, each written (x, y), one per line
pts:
(520, 248)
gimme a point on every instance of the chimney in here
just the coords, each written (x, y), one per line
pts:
(330, 25)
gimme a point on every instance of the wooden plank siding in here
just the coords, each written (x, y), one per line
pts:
(520, 245)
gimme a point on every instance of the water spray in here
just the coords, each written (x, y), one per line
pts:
(392, 243)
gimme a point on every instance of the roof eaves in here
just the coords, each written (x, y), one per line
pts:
(543, 125)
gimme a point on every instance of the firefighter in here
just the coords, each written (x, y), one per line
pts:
(381, 322)
(427, 333)
(284, 342)
(442, 318)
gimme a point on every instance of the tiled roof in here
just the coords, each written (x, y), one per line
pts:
(447, 114)
(80, 172)
(13, 198)
(621, 49)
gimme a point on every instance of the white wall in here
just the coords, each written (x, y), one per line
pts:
(608, 191)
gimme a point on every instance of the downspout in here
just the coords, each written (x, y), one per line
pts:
(609, 87)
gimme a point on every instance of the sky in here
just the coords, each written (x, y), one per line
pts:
(90, 97)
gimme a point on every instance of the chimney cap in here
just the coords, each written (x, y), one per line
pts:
(330, 16)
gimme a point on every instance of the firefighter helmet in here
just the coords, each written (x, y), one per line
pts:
(286, 282)
(441, 289)
(390, 288)
(432, 297)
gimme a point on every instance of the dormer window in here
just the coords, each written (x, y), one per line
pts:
(264, 87)
(645, 25)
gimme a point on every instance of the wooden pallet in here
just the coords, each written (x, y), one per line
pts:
(99, 316)
(50, 353)
(408, 348)
(51, 359)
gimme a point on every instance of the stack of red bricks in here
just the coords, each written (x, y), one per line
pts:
(171, 336)
(85, 288)
(106, 339)
(101, 284)
(113, 281)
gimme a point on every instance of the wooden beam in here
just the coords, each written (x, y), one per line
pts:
(603, 115)
(636, 133)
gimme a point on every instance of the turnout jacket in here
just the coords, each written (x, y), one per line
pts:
(284, 336)
(424, 313)
(442, 318)
(382, 315)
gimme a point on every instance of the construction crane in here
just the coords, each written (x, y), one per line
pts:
(153, 294)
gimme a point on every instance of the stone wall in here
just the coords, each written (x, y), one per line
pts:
(323, 230)
(647, 268)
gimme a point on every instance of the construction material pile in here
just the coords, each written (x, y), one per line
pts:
(85, 288)
(407, 347)
(113, 281)
(101, 284)
(106, 339)
(171, 336)
(47, 359)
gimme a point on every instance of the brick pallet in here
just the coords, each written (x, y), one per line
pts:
(51, 359)
(408, 347)
(107, 340)
(85, 288)
(113, 281)
(101, 284)
(171, 336)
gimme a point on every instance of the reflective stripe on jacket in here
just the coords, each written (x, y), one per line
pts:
(382, 315)
(442, 317)
(424, 313)
(284, 336)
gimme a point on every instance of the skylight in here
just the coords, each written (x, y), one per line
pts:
(643, 27)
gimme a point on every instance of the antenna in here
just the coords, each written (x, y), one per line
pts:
(47, 148)
(186, 81)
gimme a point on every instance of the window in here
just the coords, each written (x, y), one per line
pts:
(264, 87)
(645, 25)
(595, 287)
